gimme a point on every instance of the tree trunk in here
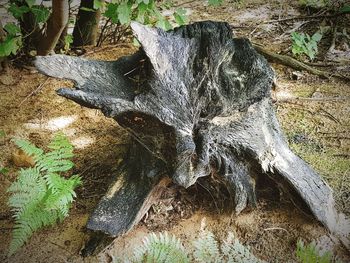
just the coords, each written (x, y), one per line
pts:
(56, 24)
(86, 27)
(197, 101)
(3, 60)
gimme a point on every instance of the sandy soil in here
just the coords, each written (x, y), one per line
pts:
(316, 125)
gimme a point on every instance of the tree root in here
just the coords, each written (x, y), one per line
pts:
(293, 63)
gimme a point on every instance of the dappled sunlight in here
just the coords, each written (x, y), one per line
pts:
(54, 124)
(83, 142)
(59, 123)
(62, 124)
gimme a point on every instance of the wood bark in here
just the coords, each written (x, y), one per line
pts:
(197, 101)
(56, 24)
(86, 28)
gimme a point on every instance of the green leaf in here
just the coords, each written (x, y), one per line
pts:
(111, 12)
(141, 12)
(164, 24)
(68, 40)
(18, 11)
(4, 170)
(180, 16)
(40, 13)
(2, 133)
(30, 3)
(345, 9)
(124, 12)
(10, 46)
(98, 4)
(215, 2)
(12, 29)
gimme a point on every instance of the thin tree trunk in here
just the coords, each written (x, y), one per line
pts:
(3, 61)
(86, 28)
(56, 24)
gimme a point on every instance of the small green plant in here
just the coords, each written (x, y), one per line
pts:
(310, 254)
(12, 42)
(302, 43)
(68, 40)
(161, 248)
(41, 196)
(164, 248)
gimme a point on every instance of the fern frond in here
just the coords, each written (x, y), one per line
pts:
(161, 249)
(206, 248)
(58, 159)
(29, 148)
(40, 196)
(60, 142)
(54, 162)
(234, 251)
(62, 191)
(309, 253)
(31, 218)
(29, 188)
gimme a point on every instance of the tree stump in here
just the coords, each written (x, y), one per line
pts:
(196, 101)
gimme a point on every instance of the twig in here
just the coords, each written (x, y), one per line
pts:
(185, 3)
(323, 99)
(296, 64)
(334, 36)
(33, 92)
(99, 42)
(276, 228)
(303, 17)
(325, 64)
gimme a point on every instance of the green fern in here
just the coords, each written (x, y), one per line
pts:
(40, 196)
(161, 249)
(206, 247)
(310, 254)
(233, 251)
(164, 248)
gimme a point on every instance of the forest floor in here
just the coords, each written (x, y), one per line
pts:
(314, 113)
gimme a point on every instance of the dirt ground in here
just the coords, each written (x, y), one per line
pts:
(314, 114)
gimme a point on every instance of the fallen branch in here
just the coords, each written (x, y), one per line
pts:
(304, 17)
(296, 64)
(33, 92)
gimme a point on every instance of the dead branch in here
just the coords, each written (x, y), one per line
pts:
(296, 64)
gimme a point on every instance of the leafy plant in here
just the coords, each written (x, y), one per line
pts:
(68, 40)
(302, 43)
(41, 196)
(310, 254)
(144, 12)
(19, 8)
(160, 248)
(13, 41)
(164, 248)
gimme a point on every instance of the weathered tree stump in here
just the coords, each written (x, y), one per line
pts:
(196, 101)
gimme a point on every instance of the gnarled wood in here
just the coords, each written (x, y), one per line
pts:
(201, 104)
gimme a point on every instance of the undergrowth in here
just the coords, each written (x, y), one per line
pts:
(41, 196)
(165, 248)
